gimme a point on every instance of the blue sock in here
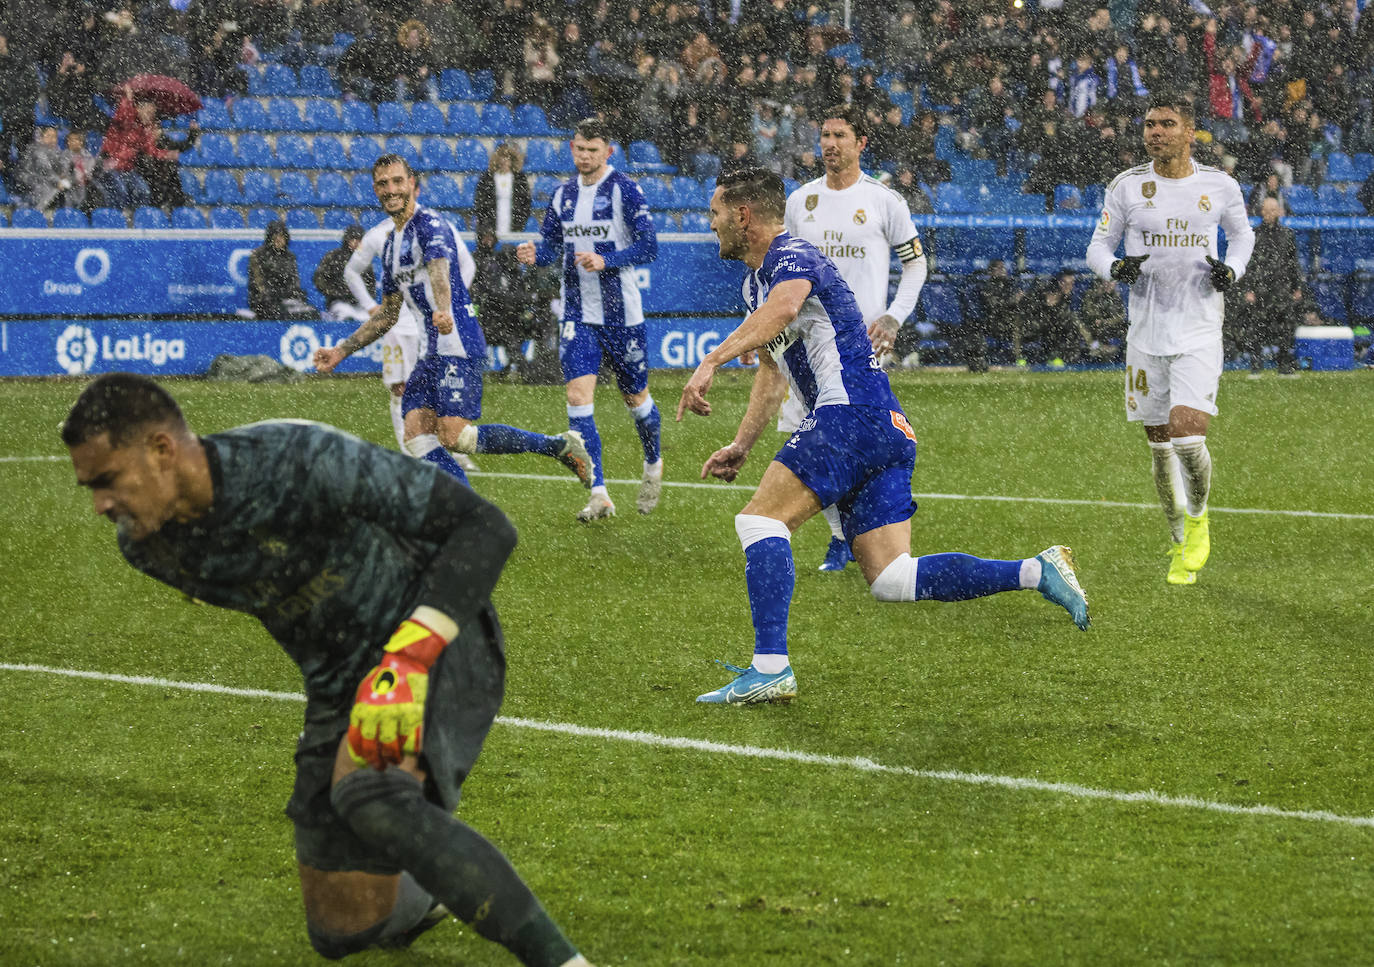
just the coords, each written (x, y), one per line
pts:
(580, 419)
(959, 577)
(647, 422)
(770, 575)
(445, 462)
(499, 438)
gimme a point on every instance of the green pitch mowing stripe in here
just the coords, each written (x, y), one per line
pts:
(857, 763)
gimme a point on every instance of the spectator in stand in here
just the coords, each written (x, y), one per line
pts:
(1271, 187)
(1319, 143)
(991, 310)
(928, 167)
(905, 184)
(1084, 85)
(501, 201)
(45, 176)
(507, 300)
(215, 73)
(1366, 194)
(1051, 332)
(363, 69)
(452, 28)
(415, 77)
(1102, 318)
(274, 278)
(126, 140)
(905, 48)
(693, 147)
(987, 109)
(330, 281)
(891, 144)
(541, 82)
(1263, 155)
(85, 193)
(71, 93)
(1271, 293)
(1058, 148)
(18, 95)
(1125, 89)
(764, 124)
(1229, 98)
(806, 166)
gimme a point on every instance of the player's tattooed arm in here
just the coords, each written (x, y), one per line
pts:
(438, 270)
(379, 322)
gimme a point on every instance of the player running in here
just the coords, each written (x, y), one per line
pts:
(856, 221)
(421, 262)
(1168, 211)
(855, 448)
(597, 224)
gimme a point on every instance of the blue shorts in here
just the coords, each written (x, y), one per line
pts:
(860, 458)
(582, 347)
(446, 386)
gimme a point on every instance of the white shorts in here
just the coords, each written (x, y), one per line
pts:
(791, 413)
(400, 349)
(1156, 384)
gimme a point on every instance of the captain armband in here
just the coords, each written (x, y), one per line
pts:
(909, 251)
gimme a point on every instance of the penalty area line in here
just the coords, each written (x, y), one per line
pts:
(856, 763)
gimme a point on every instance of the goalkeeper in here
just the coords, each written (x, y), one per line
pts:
(374, 572)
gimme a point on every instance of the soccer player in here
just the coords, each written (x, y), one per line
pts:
(854, 449)
(856, 221)
(597, 224)
(1168, 210)
(377, 582)
(422, 261)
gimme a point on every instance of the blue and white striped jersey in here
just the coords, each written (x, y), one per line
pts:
(426, 237)
(611, 219)
(824, 352)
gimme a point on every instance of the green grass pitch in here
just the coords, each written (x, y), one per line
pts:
(142, 823)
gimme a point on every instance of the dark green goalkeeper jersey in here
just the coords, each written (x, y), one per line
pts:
(330, 542)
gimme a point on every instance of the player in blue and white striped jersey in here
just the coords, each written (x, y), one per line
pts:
(423, 262)
(854, 449)
(597, 224)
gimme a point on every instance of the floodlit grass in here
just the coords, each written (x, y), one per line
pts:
(143, 825)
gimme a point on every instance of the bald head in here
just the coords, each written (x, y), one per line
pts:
(1270, 210)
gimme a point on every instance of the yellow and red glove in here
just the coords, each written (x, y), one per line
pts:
(389, 709)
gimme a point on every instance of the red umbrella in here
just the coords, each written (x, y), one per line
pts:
(171, 95)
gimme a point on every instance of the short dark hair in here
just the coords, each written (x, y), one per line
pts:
(760, 188)
(590, 129)
(391, 159)
(850, 114)
(1172, 101)
(120, 404)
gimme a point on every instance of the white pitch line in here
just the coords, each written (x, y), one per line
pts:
(856, 763)
(996, 498)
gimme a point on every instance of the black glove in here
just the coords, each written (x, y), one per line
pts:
(1222, 274)
(1127, 269)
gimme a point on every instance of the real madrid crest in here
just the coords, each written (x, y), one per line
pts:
(1204, 204)
(1148, 189)
(860, 217)
(812, 201)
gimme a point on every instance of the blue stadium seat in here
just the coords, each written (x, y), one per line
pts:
(108, 218)
(213, 150)
(339, 218)
(223, 217)
(426, 118)
(442, 191)
(696, 222)
(253, 75)
(463, 118)
(146, 216)
(656, 193)
(664, 221)
(392, 117)
(543, 188)
(483, 84)
(332, 188)
(1362, 298)
(280, 80)
(1341, 167)
(1364, 165)
(1343, 252)
(214, 115)
(29, 218)
(249, 115)
(400, 145)
(962, 250)
(1340, 199)
(187, 217)
(950, 200)
(457, 220)
(294, 152)
(531, 224)
(363, 151)
(255, 152)
(259, 188)
(789, 185)
(260, 217)
(1093, 197)
(1330, 292)
(530, 119)
(363, 195)
(283, 115)
(644, 157)
(191, 186)
(467, 191)
(940, 303)
(302, 218)
(294, 188)
(1045, 251)
(320, 115)
(69, 218)
(222, 188)
(329, 153)
(358, 116)
(1067, 198)
(469, 155)
(317, 82)
(1302, 200)
(454, 85)
(541, 156)
(1007, 204)
(944, 142)
(436, 155)
(971, 171)
(497, 120)
(690, 193)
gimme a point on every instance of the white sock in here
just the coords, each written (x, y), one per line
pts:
(643, 409)
(467, 440)
(602, 491)
(832, 517)
(1168, 481)
(398, 421)
(770, 664)
(897, 582)
(1031, 572)
(654, 468)
(418, 446)
(1196, 461)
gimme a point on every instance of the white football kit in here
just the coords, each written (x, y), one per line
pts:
(856, 228)
(1173, 345)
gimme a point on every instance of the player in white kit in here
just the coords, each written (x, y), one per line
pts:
(1168, 211)
(857, 222)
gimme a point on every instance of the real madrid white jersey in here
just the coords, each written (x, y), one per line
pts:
(1173, 308)
(856, 228)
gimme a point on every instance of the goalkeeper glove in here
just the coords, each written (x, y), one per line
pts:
(389, 709)
(1127, 268)
(1222, 274)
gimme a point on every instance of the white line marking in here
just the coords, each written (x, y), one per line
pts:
(857, 763)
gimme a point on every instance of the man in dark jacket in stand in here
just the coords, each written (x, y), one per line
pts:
(1271, 295)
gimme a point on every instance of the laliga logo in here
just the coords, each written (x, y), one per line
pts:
(76, 349)
(298, 345)
(687, 348)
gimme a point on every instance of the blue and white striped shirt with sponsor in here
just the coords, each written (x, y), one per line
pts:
(428, 236)
(611, 219)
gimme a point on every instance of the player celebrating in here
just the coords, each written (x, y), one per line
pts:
(377, 582)
(1168, 210)
(421, 262)
(855, 220)
(855, 448)
(598, 225)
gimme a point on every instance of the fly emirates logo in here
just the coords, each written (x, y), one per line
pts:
(1175, 235)
(833, 245)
